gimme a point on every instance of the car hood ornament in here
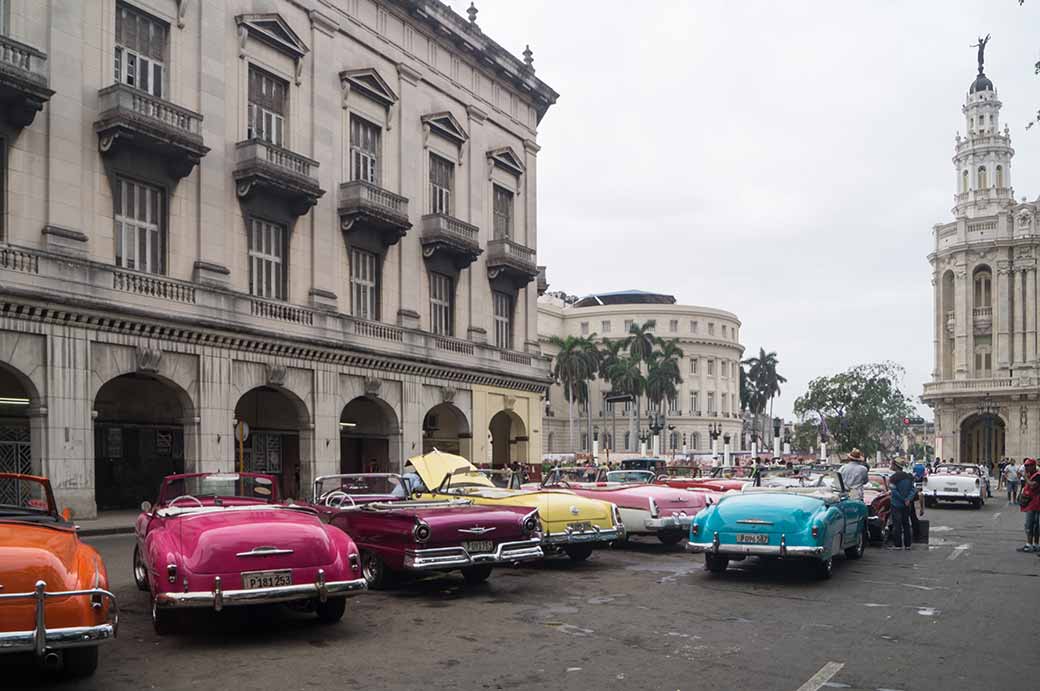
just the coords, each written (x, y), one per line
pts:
(476, 530)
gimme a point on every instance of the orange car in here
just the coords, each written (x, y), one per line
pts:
(54, 598)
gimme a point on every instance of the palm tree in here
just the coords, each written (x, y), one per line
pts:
(764, 380)
(663, 375)
(640, 342)
(573, 367)
(626, 376)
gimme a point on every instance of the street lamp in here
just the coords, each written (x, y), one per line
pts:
(988, 410)
(595, 444)
(777, 423)
(714, 432)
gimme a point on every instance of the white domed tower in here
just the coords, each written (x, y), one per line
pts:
(985, 384)
(983, 158)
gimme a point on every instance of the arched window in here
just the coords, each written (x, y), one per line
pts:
(982, 178)
(696, 442)
(675, 441)
(983, 361)
(983, 289)
(549, 443)
(999, 176)
(964, 181)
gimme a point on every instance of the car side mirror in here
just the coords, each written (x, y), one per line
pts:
(66, 514)
(146, 506)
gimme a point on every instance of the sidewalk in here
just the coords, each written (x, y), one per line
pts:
(108, 523)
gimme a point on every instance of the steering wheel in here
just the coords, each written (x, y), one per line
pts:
(335, 499)
(186, 496)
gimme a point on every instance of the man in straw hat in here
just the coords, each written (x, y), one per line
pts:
(854, 473)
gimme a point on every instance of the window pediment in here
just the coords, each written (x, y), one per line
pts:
(369, 82)
(446, 125)
(506, 158)
(272, 30)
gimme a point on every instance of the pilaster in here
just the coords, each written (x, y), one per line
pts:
(413, 170)
(962, 321)
(1002, 317)
(1029, 304)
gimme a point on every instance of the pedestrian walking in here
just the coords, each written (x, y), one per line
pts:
(903, 493)
(1000, 474)
(1029, 500)
(854, 473)
(1011, 477)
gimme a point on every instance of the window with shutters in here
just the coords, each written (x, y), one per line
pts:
(693, 365)
(673, 326)
(584, 328)
(140, 57)
(503, 303)
(711, 403)
(695, 403)
(139, 226)
(442, 185)
(267, 265)
(442, 298)
(364, 284)
(268, 107)
(503, 213)
(711, 368)
(604, 326)
(364, 150)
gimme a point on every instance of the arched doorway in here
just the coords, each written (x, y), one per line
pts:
(508, 437)
(138, 438)
(446, 428)
(368, 437)
(276, 419)
(982, 439)
(16, 399)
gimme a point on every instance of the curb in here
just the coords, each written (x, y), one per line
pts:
(98, 532)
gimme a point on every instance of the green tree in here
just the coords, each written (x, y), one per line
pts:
(626, 377)
(806, 436)
(664, 376)
(862, 405)
(640, 342)
(574, 366)
(765, 381)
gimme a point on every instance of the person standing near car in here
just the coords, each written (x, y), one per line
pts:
(1029, 501)
(1010, 476)
(903, 491)
(854, 473)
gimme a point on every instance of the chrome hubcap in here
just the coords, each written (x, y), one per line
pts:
(139, 571)
(368, 568)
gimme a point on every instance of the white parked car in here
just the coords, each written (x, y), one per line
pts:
(950, 482)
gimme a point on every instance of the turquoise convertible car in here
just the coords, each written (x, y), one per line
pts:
(799, 518)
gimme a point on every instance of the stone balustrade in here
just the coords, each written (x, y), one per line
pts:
(19, 57)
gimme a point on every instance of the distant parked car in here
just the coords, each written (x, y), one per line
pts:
(877, 496)
(223, 539)
(952, 482)
(420, 536)
(54, 597)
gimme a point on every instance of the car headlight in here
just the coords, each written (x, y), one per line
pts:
(421, 531)
(530, 523)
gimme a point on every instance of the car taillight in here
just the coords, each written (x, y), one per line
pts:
(816, 531)
(171, 573)
(421, 532)
(654, 510)
(617, 514)
(530, 523)
(695, 529)
(976, 482)
(355, 563)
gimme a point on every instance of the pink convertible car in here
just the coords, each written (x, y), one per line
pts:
(223, 539)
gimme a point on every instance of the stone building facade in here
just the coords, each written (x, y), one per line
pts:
(710, 367)
(314, 217)
(984, 388)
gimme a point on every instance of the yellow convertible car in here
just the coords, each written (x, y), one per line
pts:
(570, 523)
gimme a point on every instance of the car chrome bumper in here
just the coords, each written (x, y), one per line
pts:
(459, 557)
(219, 598)
(597, 534)
(781, 550)
(951, 496)
(668, 522)
(40, 640)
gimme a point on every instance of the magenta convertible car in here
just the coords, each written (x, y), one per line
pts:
(396, 535)
(224, 539)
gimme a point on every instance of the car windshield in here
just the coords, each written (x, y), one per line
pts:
(641, 476)
(684, 471)
(461, 478)
(219, 485)
(361, 484)
(573, 475)
(876, 483)
(956, 470)
(731, 472)
(22, 496)
(828, 479)
(502, 479)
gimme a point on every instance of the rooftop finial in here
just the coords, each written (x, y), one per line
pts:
(529, 58)
(472, 12)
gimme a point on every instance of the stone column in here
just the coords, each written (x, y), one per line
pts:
(1020, 317)
(937, 325)
(1002, 317)
(1029, 305)
(215, 441)
(325, 147)
(70, 426)
(326, 428)
(962, 321)
(413, 160)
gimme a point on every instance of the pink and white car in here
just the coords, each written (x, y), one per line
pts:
(646, 509)
(224, 539)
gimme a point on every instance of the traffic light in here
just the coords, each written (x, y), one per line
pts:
(906, 421)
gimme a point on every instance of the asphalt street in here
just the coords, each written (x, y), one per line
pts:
(961, 613)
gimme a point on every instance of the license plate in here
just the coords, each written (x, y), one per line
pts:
(478, 546)
(252, 580)
(951, 486)
(753, 538)
(583, 527)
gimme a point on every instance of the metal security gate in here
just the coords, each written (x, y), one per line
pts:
(15, 457)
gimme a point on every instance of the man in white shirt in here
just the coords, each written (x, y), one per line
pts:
(1012, 474)
(854, 473)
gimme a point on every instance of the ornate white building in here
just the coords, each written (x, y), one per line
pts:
(708, 396)
(315, 217)
(985, 382)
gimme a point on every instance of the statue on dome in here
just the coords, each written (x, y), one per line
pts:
(981, 45)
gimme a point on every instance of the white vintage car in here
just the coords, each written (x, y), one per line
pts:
(950, 482)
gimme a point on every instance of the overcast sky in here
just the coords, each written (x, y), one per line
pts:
(782, 160)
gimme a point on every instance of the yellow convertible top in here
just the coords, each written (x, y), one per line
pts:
(433, 467)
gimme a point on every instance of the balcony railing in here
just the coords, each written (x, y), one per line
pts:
(279, 171)
(19, 260)
(144, 120)
(153, 286)
(378, 330)
(970, 386)
(23, 85)
(453, 345)
(281, 311)
(375, 207)
(506, 256)
(460, 240)
(982, 313)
